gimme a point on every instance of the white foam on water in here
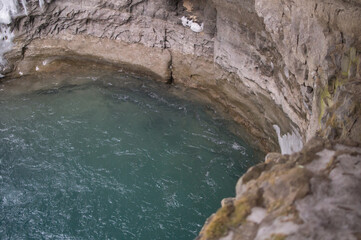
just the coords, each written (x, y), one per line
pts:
(236, 146)
(289, 142)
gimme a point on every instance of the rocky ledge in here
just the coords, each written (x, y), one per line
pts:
(293, 64)
(312, 194)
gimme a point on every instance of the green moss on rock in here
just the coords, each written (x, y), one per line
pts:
(228, 217)
(277, 237)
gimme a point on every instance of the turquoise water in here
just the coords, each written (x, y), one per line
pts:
(112, 160)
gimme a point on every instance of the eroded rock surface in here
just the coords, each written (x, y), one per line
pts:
(257, 58)
(228, 61)
(249, 51)
(313, 194)
(295, 64)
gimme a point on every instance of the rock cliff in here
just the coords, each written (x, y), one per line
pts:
(313, 194)
(296, 65)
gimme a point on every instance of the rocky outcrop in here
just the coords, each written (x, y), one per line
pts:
(296, 65)
(312, 194)
(318, 42)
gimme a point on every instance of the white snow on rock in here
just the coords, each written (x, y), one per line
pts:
(195, 27)
(257, 215)
(9, 9)
(290, 142)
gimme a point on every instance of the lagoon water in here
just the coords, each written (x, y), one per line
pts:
(113, 159)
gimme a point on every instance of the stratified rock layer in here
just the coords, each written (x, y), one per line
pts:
(233, 66)
(295, 64)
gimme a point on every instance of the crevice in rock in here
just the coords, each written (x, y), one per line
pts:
(171, 78)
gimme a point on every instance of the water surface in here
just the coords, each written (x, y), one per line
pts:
(112, 158)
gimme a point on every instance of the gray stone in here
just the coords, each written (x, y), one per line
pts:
(296, 64)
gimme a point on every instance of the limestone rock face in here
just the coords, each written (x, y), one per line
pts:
(271, 60)
(295, 64)
(231, 63)
(314, 38)
(313, 194)
(243, 46)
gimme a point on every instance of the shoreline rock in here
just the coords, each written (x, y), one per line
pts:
(312, 194)
(293, 64)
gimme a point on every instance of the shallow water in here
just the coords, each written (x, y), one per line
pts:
(112, 159)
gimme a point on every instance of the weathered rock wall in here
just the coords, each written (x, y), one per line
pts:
(148, 36)
(315, 40)
(243, 46)
(296, 64)
(313, 194)
(250, 55)
(291, 52)
(315, 50)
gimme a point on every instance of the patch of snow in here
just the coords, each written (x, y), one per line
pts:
(321, 163)
(23, 3)
(287, 73)
(49, 60)
(290, 142)
(195, 27)
(8, 10)
(228, 237)
(257, 215)
(6, 37)
(184, 21)
(281, 225)
(41, 3)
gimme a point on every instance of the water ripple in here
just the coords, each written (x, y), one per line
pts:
(120, 161)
